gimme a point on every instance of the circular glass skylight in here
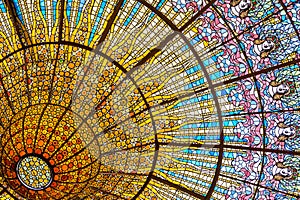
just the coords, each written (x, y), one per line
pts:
(34, 172)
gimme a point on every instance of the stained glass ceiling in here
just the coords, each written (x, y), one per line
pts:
(150, 99)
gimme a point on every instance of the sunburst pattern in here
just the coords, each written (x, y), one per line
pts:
(149, 99)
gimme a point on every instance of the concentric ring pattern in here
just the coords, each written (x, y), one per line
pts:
(149, 99)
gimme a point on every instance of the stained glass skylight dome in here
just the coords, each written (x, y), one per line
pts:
(150, 99)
